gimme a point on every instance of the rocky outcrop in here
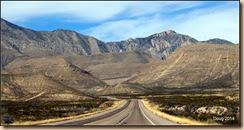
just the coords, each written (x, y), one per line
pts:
(218, 110)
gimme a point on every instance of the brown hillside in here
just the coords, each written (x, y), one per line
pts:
(56, 68)
(197, 67)
(29, 87)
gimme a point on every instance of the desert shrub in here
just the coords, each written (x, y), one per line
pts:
(7, 120)
(169, 104)
(32, 111)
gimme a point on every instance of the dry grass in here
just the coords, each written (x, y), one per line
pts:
(115, 105)
(181, 120)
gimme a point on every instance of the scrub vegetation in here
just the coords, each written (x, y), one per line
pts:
(34, 111)
(211, 109)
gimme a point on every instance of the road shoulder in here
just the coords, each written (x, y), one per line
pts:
(180, 120)
(58, 121)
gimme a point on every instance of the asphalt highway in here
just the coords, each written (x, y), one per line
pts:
(132, 112)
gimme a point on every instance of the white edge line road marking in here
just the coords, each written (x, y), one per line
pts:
(145, 114)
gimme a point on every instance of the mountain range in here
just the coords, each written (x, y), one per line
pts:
(18, 41)
(66, 65)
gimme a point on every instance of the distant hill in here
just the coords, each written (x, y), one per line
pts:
(124, 89)
(217, 41)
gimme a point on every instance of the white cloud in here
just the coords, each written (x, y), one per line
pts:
(86, 11)
(124, 29)
(221, 22)
(146, 8)
(202, 24)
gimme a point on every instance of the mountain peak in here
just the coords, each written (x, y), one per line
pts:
(166, 33)
(169, 31)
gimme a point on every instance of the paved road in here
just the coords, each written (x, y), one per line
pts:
(131, 113)
(134, 114)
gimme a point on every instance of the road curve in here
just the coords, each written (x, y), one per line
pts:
(92, 118)
(132, 112)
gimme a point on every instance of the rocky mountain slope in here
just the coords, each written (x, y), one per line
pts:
(30, 42)
(35, 44)
(198, 67)
(159, 45)
(8, 55)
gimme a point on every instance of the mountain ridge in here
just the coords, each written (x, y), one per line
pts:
(131, 66)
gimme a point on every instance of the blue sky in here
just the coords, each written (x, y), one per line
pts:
(120, 20)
